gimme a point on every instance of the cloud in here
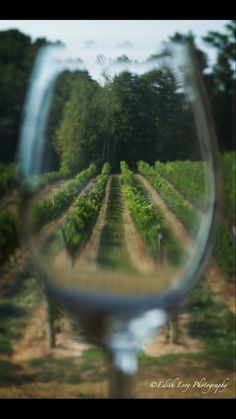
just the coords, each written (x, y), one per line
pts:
(90, 43)
(125, 44)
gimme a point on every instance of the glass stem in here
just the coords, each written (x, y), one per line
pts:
(120, 383)
(125, 338)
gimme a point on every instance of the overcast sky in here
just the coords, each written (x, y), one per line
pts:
(122, 34)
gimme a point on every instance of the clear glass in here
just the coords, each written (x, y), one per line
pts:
(118, 169)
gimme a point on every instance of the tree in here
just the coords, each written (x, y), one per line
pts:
(221, 84)
(190, 39)
(77, 139)
(17, 56)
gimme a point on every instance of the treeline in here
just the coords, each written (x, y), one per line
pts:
(128, 118)
(17, 56)
(144, 117)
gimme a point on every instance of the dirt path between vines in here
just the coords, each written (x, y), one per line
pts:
(176, 225)
(34, 343)
(136, 248)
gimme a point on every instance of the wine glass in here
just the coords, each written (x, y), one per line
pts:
(119, 176)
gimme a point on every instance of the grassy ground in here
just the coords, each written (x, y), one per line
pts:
(15, 310)
(214, 323)
(86, 376)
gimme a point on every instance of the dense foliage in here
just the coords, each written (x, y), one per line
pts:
(229, 175)
(17, 56)
(220, 82)
(215, 324)
(8, 180)
(128, 118)
(226, 237)
(8, 234)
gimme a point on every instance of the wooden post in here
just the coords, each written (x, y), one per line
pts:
(160, 246)
(50, 321)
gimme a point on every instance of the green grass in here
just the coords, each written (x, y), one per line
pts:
(229, 173)
(55, 370)
(68, 370)
(63, 370)
(112, 253)
(15, 311)
(147, 360)
(214, 324)
(12, 374)
(93, 353)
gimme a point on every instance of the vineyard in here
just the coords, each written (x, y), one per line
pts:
(138, 224)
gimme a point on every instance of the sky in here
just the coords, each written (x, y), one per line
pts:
(142, 35)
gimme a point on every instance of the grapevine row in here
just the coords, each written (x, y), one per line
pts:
(187, 177)
(176, 203)
(148, 218)
(46, 210)
(82, 219)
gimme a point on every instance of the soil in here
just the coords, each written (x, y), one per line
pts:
(186, 344)
(34, 343)
(221, 285)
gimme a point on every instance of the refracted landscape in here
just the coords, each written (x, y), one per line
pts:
(117, 206)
